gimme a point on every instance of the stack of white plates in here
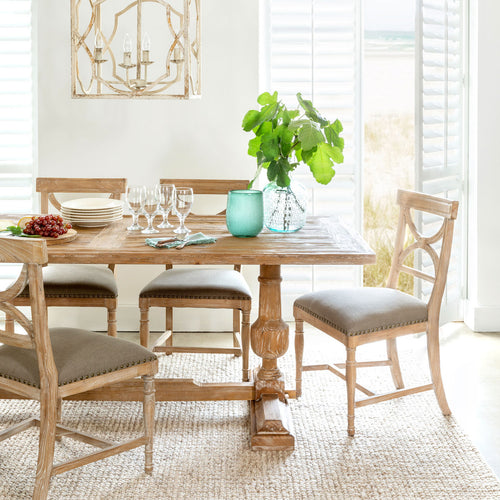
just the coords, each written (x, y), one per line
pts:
(92, 212)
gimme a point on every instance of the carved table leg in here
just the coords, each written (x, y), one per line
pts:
(271, 421)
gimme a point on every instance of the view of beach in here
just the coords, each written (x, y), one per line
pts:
(389, 155)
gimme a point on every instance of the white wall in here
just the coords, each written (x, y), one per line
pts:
(483, 305)
(144, 140)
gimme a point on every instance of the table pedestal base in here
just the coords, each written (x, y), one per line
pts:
(271, 425)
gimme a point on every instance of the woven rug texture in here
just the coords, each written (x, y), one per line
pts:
(403, 449)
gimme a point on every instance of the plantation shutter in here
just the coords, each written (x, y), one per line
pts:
(440, 129)
(314, 47)
(16, 114)
(16, 107)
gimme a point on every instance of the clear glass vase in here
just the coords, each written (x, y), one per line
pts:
(285, 208)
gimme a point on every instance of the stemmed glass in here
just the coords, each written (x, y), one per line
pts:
(183, 203)
(150, 207)
(167, 195)
(135, 197)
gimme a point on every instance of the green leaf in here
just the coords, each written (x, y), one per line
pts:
(333, 138)
(334, 152)
(265, 128)
(270, 146)
(337, 126)
(272, 170)
(267, 98)
(311, 111)
(260, 158)
(310, 136)
(251, 120)
(254, 145)
(321, 164)
(268, 112)
(286, 117)
(296, 124)
(285, 138)
(307, 155)
(16, 230)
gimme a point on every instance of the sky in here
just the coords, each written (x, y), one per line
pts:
(389, 15)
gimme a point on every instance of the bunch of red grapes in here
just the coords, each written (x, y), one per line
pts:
(47, 225)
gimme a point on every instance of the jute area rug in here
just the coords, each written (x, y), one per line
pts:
(403, 449)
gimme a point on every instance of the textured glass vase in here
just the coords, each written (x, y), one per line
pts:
(244, 213)
(285, 207)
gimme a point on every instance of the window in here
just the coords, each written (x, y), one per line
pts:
(16, 107)
(315, 47)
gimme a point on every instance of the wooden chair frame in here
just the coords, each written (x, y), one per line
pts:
(33, 254)
(164, 343)
(407, 200)
(48, 187)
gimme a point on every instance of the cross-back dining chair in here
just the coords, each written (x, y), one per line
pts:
(200, 288)
(358, 316)
(78, 285)
(48, 365)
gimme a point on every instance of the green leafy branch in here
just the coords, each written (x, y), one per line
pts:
(284, 138)
(18, 231)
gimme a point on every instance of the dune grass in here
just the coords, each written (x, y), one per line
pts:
(388, 166)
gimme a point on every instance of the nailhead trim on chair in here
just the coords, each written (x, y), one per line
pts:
(127, 365)
(360, 332)
(199, 297)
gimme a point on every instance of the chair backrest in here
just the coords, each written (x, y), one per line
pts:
(209, 186)
(49, 186)
(443, 208)
(33, 255)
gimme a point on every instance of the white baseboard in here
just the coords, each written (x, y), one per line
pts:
(482, 318)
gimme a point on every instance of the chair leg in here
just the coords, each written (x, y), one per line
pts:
(58, 415)
(112, 320)
(392, 354)
(299, 353)
(351, 388)
(48, 417)
(435, 367)
(9, 324)
(236, 329)
(144, 326)
(149, 421)
(245, 344)
(169, 325)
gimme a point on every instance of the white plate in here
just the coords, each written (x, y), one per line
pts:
(85, 215)
(92, 221)
(92, 224)
(91, 203)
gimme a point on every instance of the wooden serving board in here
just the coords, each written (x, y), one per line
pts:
(63, 238)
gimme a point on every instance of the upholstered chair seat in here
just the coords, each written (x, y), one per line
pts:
(365, 310)
(81, 281)
(198, 284)
(78, 355)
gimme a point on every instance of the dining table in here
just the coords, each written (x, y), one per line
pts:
(322, 241)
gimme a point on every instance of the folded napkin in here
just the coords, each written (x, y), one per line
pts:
(192, 239)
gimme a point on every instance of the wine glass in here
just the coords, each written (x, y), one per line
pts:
(135, 197)
(183, 203)
(150, 207)
(167, 195)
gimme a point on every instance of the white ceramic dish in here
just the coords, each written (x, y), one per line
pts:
(91, 203)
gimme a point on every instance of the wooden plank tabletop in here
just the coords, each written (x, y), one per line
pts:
(321, 241)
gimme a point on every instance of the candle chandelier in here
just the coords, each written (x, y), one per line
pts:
(135, 49)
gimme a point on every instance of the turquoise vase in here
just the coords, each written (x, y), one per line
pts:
(285, 208)
(245, 212)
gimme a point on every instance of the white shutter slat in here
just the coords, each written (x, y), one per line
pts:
(16, 108)
(440, 139)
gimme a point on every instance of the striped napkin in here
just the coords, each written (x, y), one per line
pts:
(192, 239)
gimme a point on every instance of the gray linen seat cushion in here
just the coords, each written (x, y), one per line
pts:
(357, 311)
(78, 281)
(198, 284)
(78, 355)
